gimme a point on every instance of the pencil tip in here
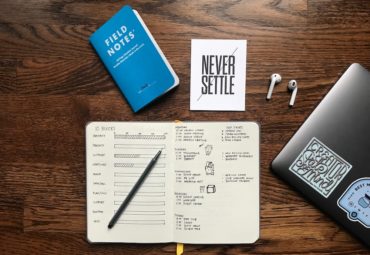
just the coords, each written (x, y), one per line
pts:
(110, 226)
(157, 155)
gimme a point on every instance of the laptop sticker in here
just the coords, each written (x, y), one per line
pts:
(355, 201)
(320, 167)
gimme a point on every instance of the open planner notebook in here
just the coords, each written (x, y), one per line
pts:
(203, 189)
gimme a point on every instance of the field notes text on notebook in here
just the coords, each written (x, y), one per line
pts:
(203, 189)
(133, 58)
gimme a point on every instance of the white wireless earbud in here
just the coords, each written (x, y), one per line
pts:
(292, 86)
(275, 79)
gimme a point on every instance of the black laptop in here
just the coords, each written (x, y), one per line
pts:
(328, 158)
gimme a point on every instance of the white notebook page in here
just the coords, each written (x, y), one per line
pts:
(216, 182)
(203, 189)
(117, 154)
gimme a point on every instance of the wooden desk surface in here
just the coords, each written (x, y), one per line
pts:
(52, 84)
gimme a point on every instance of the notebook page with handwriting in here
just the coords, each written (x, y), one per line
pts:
(204, 187)
(216, 182)
(116, 155)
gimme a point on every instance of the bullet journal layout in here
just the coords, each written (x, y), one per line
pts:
(204, 188)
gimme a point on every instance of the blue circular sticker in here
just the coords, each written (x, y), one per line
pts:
(355, 201)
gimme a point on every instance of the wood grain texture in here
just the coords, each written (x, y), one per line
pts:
(52, 83)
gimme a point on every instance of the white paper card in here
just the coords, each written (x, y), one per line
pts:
(218, 71)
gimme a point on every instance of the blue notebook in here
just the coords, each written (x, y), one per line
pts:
(133, 58)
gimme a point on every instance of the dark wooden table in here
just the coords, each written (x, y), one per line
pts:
(52, 84)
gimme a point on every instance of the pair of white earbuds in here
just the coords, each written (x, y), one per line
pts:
(292, 86)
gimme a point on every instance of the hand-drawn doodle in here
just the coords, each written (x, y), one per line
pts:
(211, 188)
(208, 149)
(210, 168)
(201, 189)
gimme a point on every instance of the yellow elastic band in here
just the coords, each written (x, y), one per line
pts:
(179, 249)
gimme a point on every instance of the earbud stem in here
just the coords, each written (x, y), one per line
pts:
(271, 88)
(292, 99)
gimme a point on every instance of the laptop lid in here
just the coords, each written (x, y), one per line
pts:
(327, 158)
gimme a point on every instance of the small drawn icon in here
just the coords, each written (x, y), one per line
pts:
(364, 201)
(210, 168)
(211, 188)
(202, 188)
(208, 149)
